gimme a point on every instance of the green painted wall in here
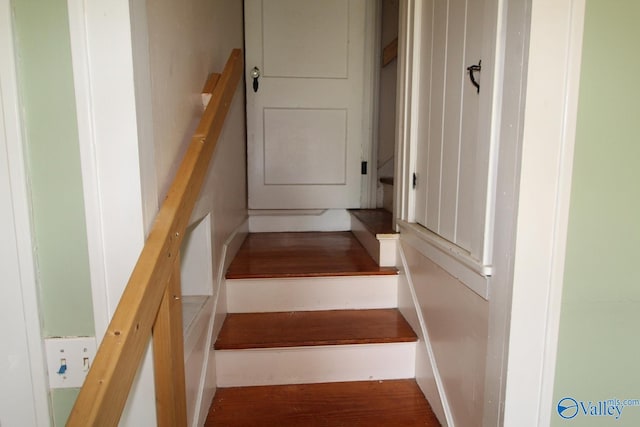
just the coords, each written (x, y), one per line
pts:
(46, 85)
(47, 94)
(62, 401)
(599, 348)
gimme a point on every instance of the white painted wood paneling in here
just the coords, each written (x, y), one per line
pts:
(453, 102)
(435, 117)
(422, 86)
(451, 258)
(196, 349)
(452, 155)
(303, 365)
(427, 374)
(207, 380)
(196, 259)
(468, 196)
(457, 323)
(311, 293)
(546, 80)
(311, 55)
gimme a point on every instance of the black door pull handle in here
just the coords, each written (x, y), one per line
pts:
(471, 69)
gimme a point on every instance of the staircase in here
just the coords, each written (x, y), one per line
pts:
(313, 336)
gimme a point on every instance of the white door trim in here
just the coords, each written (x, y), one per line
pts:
(372, 51)
(408, 84)
(553, 79)
(102, 34)
(36, 403)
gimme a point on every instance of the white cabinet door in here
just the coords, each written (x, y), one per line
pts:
(454, 131)
(305, 121)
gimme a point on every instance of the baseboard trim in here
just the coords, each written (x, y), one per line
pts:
(262, 221)
(207, 384)
(425, 357)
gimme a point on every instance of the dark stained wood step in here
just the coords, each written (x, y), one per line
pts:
(377, 221)
(386, 180)
(272, 255)
(351, 404)
(313, 328)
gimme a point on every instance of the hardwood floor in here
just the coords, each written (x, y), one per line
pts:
(268, 255)
(313, 328)
(352, 404)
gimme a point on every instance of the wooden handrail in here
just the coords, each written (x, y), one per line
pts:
(151, 299)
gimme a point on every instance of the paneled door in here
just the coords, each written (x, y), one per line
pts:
(454, 147)
(305, 88)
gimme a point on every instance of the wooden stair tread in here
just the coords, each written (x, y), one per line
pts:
(366, 403)
(377, 221)
(386, 180)
(313, 328)
(307, 254)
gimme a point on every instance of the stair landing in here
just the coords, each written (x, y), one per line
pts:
(365, 403)
(308, 254)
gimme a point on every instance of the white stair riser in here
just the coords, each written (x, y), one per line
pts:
(381, 247)
(388, 251)
(304, 365)
(311, 293)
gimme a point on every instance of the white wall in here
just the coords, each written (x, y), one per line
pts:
(186, 42)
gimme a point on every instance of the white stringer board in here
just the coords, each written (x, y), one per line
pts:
(305, 122)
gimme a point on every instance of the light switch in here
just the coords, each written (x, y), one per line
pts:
(69, 360)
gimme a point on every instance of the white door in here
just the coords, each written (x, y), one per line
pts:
(305, 121)
(454, 142)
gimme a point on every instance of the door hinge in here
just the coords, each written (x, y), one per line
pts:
(363, 168)
(414, 181)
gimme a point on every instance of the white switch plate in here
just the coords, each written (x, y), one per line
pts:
(78, 354)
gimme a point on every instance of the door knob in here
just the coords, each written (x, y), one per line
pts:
(255, 74)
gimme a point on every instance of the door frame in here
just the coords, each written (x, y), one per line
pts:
(544, 193)
(31, 363)
(117, 159)
(372, 61)
(539, 112)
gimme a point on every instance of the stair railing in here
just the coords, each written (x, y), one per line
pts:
(151, 302)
